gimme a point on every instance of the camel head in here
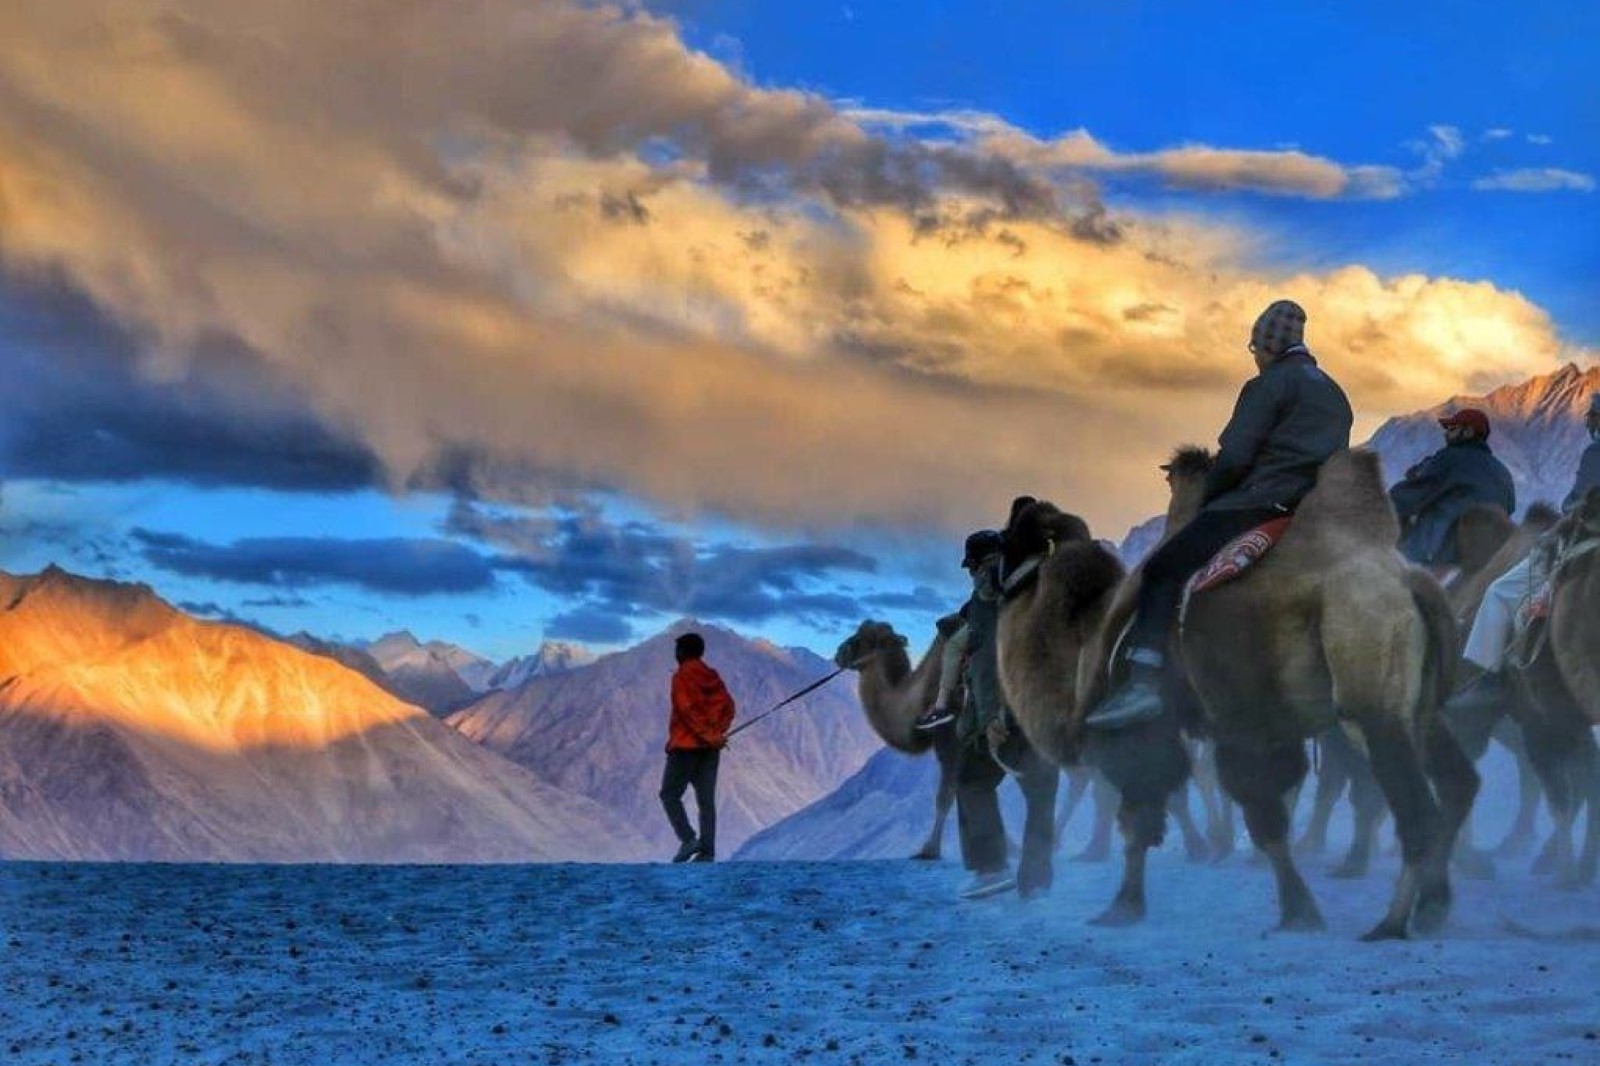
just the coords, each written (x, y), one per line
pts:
(1186, 478)
(1038, 528)
(871, 641)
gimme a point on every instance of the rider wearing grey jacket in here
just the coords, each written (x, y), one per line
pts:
(1288, 421)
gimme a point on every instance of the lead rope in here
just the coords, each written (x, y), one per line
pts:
(808, 690)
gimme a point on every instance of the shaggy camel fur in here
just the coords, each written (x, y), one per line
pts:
(1558, 666)
(1051, 635)
(894, 695)
(1333, 626)
(1489, 544)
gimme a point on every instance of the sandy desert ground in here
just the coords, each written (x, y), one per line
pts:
(860, 963)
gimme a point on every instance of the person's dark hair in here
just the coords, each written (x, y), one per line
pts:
(689, 646)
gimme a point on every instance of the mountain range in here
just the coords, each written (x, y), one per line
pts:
(129, 730)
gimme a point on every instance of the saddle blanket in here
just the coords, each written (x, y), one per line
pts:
(1238, 555)
(1537, 606)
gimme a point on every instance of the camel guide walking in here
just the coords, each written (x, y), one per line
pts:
(1434, 494)
(702, 711)
(1288, 420)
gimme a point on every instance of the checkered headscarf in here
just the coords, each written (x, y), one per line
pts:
(1281, 326)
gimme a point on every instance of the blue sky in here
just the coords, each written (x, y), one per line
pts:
(169, 431)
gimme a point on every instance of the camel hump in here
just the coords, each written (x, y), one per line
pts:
(1349, 501)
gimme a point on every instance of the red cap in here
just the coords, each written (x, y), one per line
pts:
(1470, 417)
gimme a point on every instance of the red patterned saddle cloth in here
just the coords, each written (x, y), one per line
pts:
(1238, 555)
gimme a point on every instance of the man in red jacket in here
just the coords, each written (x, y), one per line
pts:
(702, 711)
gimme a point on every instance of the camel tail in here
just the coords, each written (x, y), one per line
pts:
(1439, 668)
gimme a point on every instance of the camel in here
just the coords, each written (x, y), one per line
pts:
(1558, 669)
(1488, 544)
(894, 694)
(1063, 588)
(1331, 626)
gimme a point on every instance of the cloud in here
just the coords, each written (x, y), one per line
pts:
(79, 410)
(1536, 179)
(590, 625)
(412, 248)
(1498, 133)
(634, 570)
(1209, 168)
(391, 566)
(1540, 139)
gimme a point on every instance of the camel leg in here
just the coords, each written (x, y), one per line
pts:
(1219, 809)
(1396, 765)
(1039, 782)
(943, 799)
(1557, 754)
(1472, 729)
(1143, 825)
(1331, 781)
(1195, 848)
(1455, 783)
(1519, 840)
(1259, 781)
(1367, 803)
(1106, 802)
(1077, 789)
(1586, 761)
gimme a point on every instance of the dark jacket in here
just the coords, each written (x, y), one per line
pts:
(985, 703)
(1289, 419)
(702, 710)
(1435, 492)
(1588, 477)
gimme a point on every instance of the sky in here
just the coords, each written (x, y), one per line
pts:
(505, 322)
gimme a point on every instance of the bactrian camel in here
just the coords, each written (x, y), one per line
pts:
(1331, 626)
(894, 695)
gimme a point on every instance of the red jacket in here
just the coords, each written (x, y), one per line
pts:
(702, 710)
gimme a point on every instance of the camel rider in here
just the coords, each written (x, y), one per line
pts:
(1433, 495)
(1496, 620)
(954, 627)
(1288, 421)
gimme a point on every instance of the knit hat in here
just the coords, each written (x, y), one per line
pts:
(981, 545)
(1281, 326)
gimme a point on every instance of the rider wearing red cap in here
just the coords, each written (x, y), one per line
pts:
(1435, 492)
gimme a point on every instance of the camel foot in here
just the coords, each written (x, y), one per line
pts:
(1475, 865)
(1302, 921)
(926, 855)
(1093, 853)
(1433, 908)
(1569, 880)
(1196, 850)
(1385, 930)
(1349, 870)
(1221, 848)
(1120, 914)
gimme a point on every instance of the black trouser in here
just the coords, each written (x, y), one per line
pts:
(695, 767)
(1171, 566)
(978, 779)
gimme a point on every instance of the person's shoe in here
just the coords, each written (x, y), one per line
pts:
(991, 884)
(687, 850)
(1137, 701)
(704, 855)
(1486, 691)
(932, 718)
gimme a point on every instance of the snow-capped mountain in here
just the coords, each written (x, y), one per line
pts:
(129, 730)
(1141, 540)
(1538, 432)
(437, 676)
(600, 730)
(553, 657)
